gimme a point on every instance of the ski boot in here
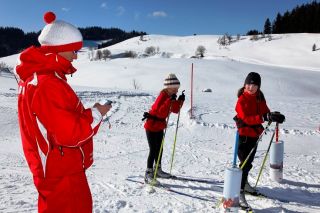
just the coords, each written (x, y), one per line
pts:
(148, 178)
(251, 190)
(243, 202)
(161, 173)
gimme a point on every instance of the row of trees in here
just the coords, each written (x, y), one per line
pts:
(104, 54)
(302, 19)
(113, 35)
(14, 40)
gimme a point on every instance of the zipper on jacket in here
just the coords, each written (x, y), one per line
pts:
(82, 156)
(61, 151)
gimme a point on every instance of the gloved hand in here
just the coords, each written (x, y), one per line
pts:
(173, 97)
(145, 116)
(182, 97)
(274, 117)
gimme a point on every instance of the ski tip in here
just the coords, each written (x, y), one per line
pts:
(150, 189)
(246, 210)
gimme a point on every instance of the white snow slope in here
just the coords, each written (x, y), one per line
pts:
(290, 82)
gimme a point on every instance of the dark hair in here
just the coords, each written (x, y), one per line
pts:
(260, 95)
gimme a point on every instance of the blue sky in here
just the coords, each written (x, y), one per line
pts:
(167, 17)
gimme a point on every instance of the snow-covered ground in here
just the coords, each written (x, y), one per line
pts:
(290, 82)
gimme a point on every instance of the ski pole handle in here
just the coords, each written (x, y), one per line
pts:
(108, 102)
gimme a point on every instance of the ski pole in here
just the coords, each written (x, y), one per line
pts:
(260, 137)
(277, 132)
(264, 159)
(234, 163)
(175, 137)
(108, 102)
(161, 147)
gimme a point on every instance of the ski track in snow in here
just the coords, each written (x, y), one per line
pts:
(121, 152)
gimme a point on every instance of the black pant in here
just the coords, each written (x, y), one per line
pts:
(246, 144)
(154, 141)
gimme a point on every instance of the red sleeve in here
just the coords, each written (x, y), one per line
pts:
(161, 106)
(62, 114)
(243, 115)
(264, 108)
(176, 106)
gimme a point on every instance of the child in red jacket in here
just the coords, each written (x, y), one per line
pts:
(252, 111)
(157, 121)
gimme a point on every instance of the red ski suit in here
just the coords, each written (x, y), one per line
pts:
(250, 111)
(160, 109)
(56, 132)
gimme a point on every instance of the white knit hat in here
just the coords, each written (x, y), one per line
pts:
(59, 36)
(171, 81)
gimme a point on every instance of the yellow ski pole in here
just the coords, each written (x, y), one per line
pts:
(264, 160)
(260, 137)
(160, 152)
(175, 140)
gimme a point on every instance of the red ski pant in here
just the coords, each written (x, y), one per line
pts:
(65, 194)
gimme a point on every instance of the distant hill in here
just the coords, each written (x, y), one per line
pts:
(13, 40)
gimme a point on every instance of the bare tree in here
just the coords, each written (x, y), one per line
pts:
(130, 54)
(200, 51)
(238, 37)
(269, 36)
(150, 50)
(254, 37)
(222, 41)
(142, 38)
(225, 40)
(98, 55)
(135, 84)
(7, 70)
(106, 54)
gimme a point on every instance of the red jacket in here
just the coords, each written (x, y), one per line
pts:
(160, 109)
(250, 111)
(56, 130)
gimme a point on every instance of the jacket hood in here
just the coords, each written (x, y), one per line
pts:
(37, 60)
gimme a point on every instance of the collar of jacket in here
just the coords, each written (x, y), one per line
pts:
(37, 60)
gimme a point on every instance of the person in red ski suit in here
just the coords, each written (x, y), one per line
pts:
(156, 123)
(252, 111)
(56, 130)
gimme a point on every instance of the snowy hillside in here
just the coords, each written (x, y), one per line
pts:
(290, 82)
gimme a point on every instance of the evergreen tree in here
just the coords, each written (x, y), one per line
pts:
(276, 27)
(253, 32)
(267, 27)
(302, 19)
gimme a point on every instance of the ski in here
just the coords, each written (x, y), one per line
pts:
(166, 188)
(261, 195)
(194, 180)
(184, 178)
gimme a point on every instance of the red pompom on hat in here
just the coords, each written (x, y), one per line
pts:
(59, 36)
(49, 17)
